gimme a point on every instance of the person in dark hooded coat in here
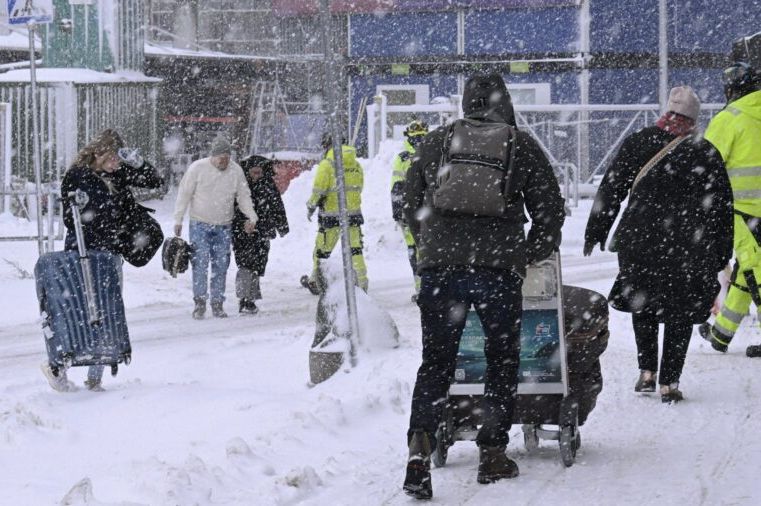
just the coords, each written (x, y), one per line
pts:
(468, 260)
(252, 250)
(674, 236)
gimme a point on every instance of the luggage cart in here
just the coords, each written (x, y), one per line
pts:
(546, 407)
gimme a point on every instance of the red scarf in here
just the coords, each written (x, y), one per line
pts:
(676, 124)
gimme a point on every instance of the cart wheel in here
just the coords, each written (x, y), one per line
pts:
(530, 437)
(439, 455)
(568, 445)
(114, 369)
(127, 358)
(67, 361)
(577, 440)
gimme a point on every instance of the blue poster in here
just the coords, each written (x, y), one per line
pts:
(540, 349)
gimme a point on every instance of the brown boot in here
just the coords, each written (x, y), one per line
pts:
(417, 482)
(494, 465)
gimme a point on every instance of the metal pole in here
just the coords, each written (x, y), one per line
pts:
(663, 55)
(331, 77)
(35, 134)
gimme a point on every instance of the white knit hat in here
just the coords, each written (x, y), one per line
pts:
(684, 101)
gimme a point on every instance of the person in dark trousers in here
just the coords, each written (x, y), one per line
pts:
(107, 217)
(674, 236)
(252, 250)
(475, 259)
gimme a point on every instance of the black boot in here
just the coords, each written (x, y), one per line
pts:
(706, 331)
(754, 350)
(494, 465)
(200, 308)
(248, 307)
(417, 482)
(217, 311)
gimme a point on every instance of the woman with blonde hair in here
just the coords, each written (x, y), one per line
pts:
(109, 216)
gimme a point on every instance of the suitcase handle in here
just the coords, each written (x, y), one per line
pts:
(79, 199)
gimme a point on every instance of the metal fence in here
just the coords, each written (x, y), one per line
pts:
(579, 140)
(70, 115)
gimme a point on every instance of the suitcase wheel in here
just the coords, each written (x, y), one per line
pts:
(530, 437)
(439, 455)
(114, 369)
(569, 443)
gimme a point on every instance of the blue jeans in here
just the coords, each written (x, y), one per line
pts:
(212, 244)
(445, 298)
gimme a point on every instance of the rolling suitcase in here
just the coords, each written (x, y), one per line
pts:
(81, 305)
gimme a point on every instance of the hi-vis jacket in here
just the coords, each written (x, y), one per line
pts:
(325, 189)
(736, 133)
(401, 164)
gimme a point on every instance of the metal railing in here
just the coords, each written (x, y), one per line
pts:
(23, 198)
(580, 141)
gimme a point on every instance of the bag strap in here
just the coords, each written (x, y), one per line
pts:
(657, 158)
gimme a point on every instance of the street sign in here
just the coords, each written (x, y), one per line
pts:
(21, 12)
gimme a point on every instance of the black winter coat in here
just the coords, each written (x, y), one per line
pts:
(676, 232)
(111, 208)
(250, 250)
(447, 239)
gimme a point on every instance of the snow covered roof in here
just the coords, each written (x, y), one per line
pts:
(153, 49)
(78, 76)
(17, 39)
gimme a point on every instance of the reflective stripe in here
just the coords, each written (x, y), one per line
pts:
(399, 173)
(746, 194)
(349, 188)
(743, 172)
(335, 214)
(726, 333)
(731, 315)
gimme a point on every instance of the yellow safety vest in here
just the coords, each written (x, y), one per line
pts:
(325, 186)
(736, 133)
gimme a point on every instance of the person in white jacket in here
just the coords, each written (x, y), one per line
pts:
(210, 187)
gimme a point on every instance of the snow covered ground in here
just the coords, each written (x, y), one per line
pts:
(219, 411)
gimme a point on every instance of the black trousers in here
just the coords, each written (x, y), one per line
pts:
(676, 339)
(446, 295)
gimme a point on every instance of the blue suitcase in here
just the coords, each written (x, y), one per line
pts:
(74, 336)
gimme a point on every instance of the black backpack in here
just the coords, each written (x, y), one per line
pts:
(176, 255)
(140, 236)
(476, 167)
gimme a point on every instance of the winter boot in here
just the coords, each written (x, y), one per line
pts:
(310, 285)
(671, 393)
(646, 381)
(94, 386)
(200, 308)
(754, 350)
(494, 465)
(248, 307)
(706, 332)
(217, 311)
(417, 482)
(58, 383)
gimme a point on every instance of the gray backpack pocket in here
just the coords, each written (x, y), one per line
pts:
(475, 169)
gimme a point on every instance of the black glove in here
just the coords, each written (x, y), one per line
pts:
(589, 246)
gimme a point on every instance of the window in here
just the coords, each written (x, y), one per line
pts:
(404, 94)
(530, 93)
